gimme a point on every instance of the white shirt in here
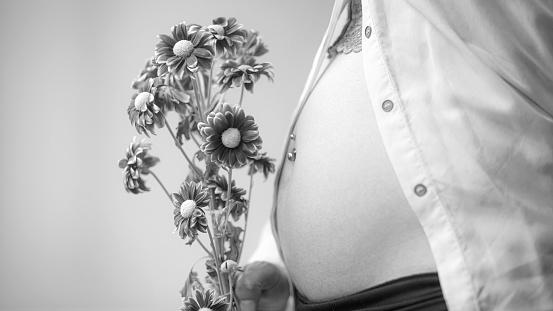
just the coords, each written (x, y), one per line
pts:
(463, 97)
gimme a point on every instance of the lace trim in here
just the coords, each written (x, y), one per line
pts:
(351, 39)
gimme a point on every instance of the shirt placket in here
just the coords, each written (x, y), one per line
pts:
(410, 168)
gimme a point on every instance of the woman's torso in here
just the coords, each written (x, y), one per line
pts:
(343, 222)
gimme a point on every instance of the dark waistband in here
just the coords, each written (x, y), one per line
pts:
(412, 293)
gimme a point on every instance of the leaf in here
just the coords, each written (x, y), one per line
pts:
(210, 268)
(191, 239)
(233, 238)
(211, 169)
(192, 283)
(183, 129)
(237, 209)
(181, 96)
(199, 155)
(220, 218)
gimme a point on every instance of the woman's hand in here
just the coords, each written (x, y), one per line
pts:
(262, 286)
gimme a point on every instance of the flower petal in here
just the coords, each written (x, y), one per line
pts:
(201, 52)
(220, 123)
(229, 116)
(213, 138)
(162, 44)
(208, 131)
(242, 159)
(223, 155)
(167, 39)
(232, 158)
(211, 147)
(196, 38)
(192, 61)
(204, 63)
(162, 58)
(173, 60)
(239, 118)
(181, 32)
(249, 135)
(162, 69)
(177, 199)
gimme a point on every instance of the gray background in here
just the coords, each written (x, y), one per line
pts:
(71, 238)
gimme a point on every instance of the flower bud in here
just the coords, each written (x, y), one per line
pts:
(229, 266)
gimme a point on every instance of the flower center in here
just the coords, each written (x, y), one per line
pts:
(205, 309)
(183, 48)
(231, 137)
(141, 101)
(187, 208)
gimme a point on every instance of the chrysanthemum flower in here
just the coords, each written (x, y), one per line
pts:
(183, 52)
(148, 72)
(230, 136)
(171, 99)
(253, 45)
(238, 208)
(137, 162)
(219, 184)
(188, 214)
(262, 163)
(228, 34)
(205, 302)
(243, 72)
(183, 84)
(238, 204)
(172, 93)
(143, 112)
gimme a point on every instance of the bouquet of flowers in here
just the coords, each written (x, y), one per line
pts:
(190, 73)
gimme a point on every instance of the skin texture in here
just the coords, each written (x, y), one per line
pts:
(262, 286)
(344, 223)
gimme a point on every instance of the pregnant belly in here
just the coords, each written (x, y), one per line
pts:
(344, 224)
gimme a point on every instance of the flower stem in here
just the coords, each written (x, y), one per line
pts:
(162, 186)
(241, 95)
(217, 103)
(231, 292)
(229, 189)
(246, 216)
(208, 100)
(197, 91)
(195, 140)
(219, 242)
(217, 260)
(182, 150)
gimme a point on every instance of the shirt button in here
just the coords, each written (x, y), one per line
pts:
(387, 105)
(293, 136)
(420, 190)
(368, 31)
(292, 155)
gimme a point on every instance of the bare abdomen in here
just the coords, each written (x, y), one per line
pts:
(344, 224)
